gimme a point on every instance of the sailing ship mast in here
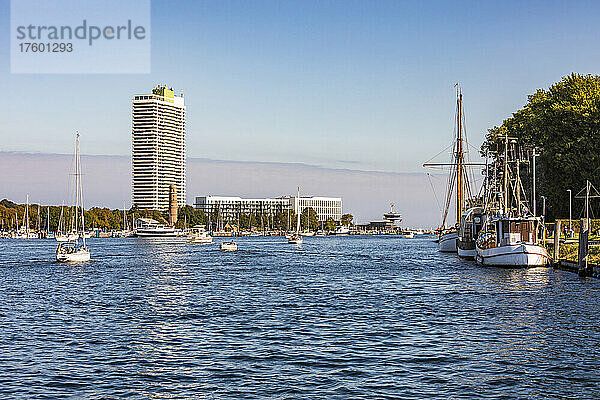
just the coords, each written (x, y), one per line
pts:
(458, 174)
(459, 159)
(78, 190)
(299, 209)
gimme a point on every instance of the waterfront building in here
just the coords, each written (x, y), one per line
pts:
(229, 208)
(325, 207)
(158, 148)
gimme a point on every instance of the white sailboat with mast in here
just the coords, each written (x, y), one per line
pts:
(296, 238)
(457, 179)
(73, 251)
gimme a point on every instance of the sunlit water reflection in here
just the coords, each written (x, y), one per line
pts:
(345, 317)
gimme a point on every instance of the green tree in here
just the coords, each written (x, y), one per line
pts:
(330, 224)
(308, 219)
(347, 219)
(564, 123)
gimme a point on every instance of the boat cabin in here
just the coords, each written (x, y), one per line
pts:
(471, 224)
(517, 230)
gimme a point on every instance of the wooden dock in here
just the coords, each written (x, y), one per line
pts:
(592, 270)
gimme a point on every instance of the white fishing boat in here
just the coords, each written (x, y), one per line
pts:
(73, 251)
(512, 242)
(229, 246)
(512, 236)
(199, 235)
(296, 238)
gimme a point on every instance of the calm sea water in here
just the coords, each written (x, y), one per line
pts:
(334, 318)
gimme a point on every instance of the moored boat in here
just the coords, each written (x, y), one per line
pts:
(458, 182)
(512, 242)
(468, 231)
(447, 241)
(512, 235)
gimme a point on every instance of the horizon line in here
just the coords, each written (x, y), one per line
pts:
(281, 163)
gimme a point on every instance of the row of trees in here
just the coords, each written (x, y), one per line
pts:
(563, 124)
(12, 215)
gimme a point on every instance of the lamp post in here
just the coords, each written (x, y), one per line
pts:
(570, 195)
(544, 207)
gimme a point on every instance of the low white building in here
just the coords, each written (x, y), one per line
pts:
(325, 207)
(230, 207)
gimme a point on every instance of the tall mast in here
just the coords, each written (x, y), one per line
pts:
(299, 212)
(506, 173)
(80, 190)
(27, 217)
(459, 160)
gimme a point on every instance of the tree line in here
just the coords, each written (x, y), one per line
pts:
(12, 216)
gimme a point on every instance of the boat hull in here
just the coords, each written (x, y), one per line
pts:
(155, 233)
(466, 249)
(447, 243)
(517, 255)
(468, 254)
(228, 246)
(201, 240)
(79, 256)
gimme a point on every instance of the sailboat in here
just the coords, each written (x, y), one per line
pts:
(458, 178)
(73, 251)
(512, 235)
(296, 238)
(61, 233)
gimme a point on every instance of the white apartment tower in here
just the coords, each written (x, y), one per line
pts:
(158, 148)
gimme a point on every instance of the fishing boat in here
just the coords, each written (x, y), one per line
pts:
(512, 236)
(468, 232)
(73, 251)
(199, 235)
(296, 238)
(458, 181)
(229, 246)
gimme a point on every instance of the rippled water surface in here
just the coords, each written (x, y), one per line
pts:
(345, 317)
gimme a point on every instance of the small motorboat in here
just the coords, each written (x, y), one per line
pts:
(295, 239)
(199, 235)
(229, 246)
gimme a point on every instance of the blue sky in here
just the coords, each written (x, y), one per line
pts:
(343, 84)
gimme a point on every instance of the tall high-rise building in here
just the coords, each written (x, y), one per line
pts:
(158, 148)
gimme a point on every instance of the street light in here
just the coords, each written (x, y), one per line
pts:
(544, 207)
(570, 193)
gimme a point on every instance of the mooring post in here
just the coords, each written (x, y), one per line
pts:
(584, 230)
(556, 257)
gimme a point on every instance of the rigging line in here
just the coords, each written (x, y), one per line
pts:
(445, 149)
(434, 193)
